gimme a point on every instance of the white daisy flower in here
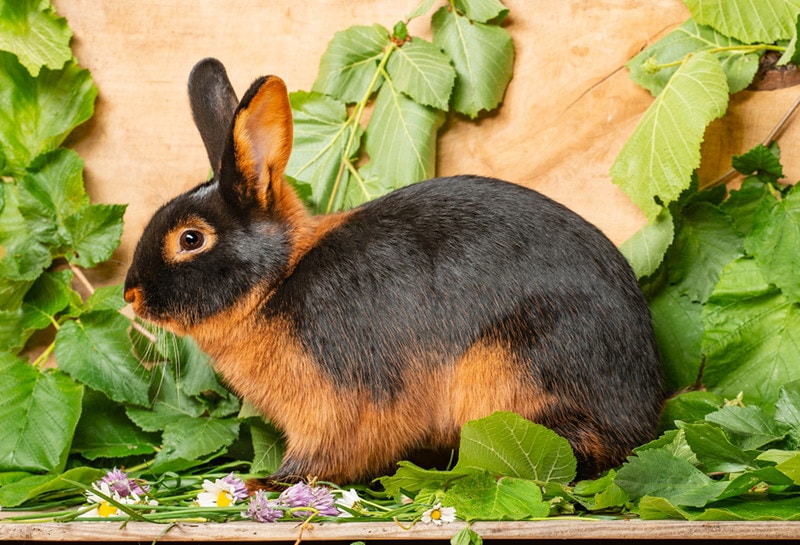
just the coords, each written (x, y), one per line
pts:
(438, 514)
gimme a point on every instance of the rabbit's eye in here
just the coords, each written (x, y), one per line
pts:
(191, 240)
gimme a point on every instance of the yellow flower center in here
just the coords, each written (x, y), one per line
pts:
(436, 514)
(105, 509)
(224, 500)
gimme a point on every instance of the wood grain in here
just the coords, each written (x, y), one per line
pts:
(288, 531)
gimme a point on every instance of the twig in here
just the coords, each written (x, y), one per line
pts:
(771, 137)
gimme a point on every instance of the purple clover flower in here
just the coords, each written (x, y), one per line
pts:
(118, 481)
(261, 509)
(304, 495)
(237, 487)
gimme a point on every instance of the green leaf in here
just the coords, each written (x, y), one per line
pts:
(752, 336)
(743, 203)
(483, 56)
(38, 113)
(94, 233)
(29, 489)
(420, 70)
(657, 161)
(689, 407)
(482, 11)
(191, 438)
(748, 427)
(765, 21)
(38, 415)
(655, 508)
(774, 243)
(760, 159)
(48, 296)
(350, 62)
(97, 351)
(791, 468)
(646, 248)
(691, 37)
(104, 431)
(658, 473)
(268, 446)
(466, 536)
(787, 408)
(411, 479)
(772, 509)
(678, 327)
(170, 403)
(482, 497)
(321, 136)
(31, 30)
(715, 451)
(400, 139)
(705, 243)
(507, 444)
(23, 256)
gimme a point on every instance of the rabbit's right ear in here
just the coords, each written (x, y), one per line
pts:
(213, 102)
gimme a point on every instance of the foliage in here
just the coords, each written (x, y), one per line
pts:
(718, 267)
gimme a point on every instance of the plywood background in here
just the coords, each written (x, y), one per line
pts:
(567, 113)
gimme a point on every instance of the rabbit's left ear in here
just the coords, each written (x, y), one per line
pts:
(213, 102)
(261, 138)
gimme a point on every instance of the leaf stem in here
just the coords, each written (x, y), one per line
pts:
(78, 273)
(743, 49)
(44, 356)
(355, 121)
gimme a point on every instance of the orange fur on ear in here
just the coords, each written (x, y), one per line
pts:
(262, 136)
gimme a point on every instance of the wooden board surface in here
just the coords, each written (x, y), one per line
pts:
(568, 111)
(287, 531)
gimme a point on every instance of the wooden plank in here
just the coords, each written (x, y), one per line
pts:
(288, 531)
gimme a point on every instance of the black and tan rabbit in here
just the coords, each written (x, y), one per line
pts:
(367, 334)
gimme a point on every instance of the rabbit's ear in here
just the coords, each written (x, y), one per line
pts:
(213, 102)
(261, 145)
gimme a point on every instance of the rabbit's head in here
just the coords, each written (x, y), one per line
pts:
(206, 249)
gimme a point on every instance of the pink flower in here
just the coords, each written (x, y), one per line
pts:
(262, 509)
(316, 497)
(118, 482)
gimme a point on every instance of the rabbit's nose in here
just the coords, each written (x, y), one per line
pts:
(133, 295)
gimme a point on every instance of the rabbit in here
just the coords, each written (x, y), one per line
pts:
(369, 334)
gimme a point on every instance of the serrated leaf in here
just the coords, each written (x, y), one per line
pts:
(759, 159)
(97, 351)
(791, 468)
(748, 427)
(715, 451)
(509, 445)
(655, 508)
(410, 478)
(771, 509)
(321, 136)
(482, 11)
(658, 473)
(38, 415)
(481, 496)
(94, 233)
(170, 403)
(268, 447)
(765, 21)
(104, 431)
(752, 336)
(774, 243)
(192, 438)
(706, 241)
(37, 114)
(646, 248)
(655, 166)
(420, 70)
(691, 37)
(678, 327)
(483, 56)
(690, 407)
(35, 34)
(787, 408)
(350, 62)
(400, 139)
(24, 256)
(743, 203)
